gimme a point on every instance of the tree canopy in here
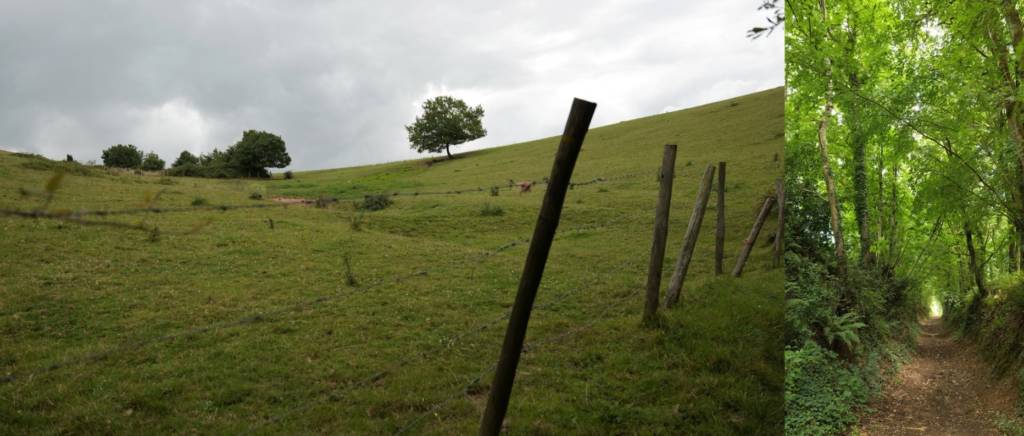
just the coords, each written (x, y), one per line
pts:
(152, 162)
(122, 156)
(913, 109)
(185, 158)
(257, 151)
(446, 121)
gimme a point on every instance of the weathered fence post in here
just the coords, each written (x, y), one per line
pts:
(748, 244)
(668, 162)
(720, 222)
(540, 245)
(675, 285)
(780, 246)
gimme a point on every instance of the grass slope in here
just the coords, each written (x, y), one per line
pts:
(244, 328)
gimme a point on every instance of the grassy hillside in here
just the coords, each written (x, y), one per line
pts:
(226, 324)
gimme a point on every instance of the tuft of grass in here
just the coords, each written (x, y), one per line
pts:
(199, 201)
(489, 210)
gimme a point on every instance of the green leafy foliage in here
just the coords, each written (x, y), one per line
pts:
(257, 151)
(249, 157)
(185, 158)
(122, 156)
(822, 391)
(152, 162)
(446, 121)
(374, 202)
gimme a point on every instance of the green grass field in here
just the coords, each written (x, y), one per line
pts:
(225, 325)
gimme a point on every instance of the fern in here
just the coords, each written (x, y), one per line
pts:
(843, 328)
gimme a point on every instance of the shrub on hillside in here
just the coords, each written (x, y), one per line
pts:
(152, 162)
(249, 157)
(374, 202)
(821, 391)
(185, 158)
(288, 175)
(122, 156)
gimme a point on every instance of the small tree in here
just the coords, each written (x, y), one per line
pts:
(185, 158)
(152, 162)
(257, 151)
(446, 121)
(122, 156)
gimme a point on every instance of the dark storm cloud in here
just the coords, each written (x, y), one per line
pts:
(339, 80)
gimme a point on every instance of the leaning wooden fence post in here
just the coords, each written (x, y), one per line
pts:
(748, 244)
(780, 246)
(720, 222)
(668, 162)
(540, 244)
(675, 285)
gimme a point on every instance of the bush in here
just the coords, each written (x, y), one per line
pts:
(199, 201)
(494, 191)
(185, 158)
(255, 196)
(821, 392)
(152, 162)
(122, 156)
(489, 210)
(374, 202)
(288, 175)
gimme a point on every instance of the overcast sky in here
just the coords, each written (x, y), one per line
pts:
(339, 80)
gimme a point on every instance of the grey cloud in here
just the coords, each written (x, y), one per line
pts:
(339, 79)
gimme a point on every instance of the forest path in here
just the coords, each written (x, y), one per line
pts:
(945, 390)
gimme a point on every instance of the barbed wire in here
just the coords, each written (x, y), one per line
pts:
(78, 216)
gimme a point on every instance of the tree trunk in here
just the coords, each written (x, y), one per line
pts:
(1012, 254)
(858, 143)
(972, 258)
(830, 184)
(447, 149)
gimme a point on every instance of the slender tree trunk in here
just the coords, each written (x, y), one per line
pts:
(972, 259)
(830, 184)
(448, 149)
(858, 143)
(1012, 253)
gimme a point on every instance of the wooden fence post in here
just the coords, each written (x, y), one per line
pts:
(540, 245)
(780, 246)
(720, 222)
(668, 162)
(748, 244)
(675, 285)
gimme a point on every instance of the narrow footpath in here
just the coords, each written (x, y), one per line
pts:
(947, 389)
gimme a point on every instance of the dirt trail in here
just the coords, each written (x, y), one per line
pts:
(945, 390)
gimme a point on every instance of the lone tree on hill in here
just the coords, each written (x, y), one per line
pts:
(185, 158)
(122, 156)
(446, 121)
(256, 152)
